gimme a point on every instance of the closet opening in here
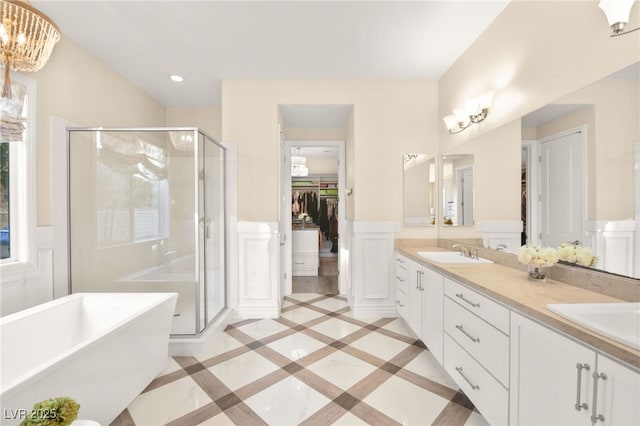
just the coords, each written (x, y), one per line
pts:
(315, 210)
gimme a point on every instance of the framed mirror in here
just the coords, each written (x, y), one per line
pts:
(457, 190)
(419, 189)
(581, 154)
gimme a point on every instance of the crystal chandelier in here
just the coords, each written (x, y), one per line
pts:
(27, 37)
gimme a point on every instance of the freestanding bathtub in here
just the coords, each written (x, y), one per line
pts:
(101, 349)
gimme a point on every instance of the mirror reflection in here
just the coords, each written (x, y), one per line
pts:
(457, 190)
(419, 189)
(578, 172)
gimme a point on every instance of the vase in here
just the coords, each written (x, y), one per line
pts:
(537, 273)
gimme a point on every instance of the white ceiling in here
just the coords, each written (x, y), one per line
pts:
(207, 41)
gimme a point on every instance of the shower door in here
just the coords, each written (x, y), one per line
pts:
(146, 214)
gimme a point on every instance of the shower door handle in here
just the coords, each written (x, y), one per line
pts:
(205, 222)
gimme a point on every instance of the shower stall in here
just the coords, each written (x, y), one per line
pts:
(147, 214)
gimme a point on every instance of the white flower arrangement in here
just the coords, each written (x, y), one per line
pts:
(537, 256)
(575, 253)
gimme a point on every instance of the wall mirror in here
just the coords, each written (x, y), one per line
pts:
(457, 190)
(419, 189)
(586, 142)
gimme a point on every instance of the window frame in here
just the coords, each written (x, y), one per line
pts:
(22, 187)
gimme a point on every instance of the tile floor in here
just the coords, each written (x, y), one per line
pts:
(315, 365)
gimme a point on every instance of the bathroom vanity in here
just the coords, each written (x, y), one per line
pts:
(517, 361)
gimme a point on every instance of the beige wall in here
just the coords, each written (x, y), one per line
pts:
(207, 119)
(77, 87)
(305, 134)
(533, 53)
(389, 118)
(611, 118)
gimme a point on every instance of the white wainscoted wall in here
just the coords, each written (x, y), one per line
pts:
(34, 283)
(614, 244)
(370, 290)
(501, 234)
(258, 295)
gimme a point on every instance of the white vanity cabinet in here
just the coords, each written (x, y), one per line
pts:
(305, 256)
(414, 308)
(432, 312)
(555, 380)
(422, 289)
(476, 349)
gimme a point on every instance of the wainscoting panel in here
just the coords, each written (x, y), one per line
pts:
(372, 245)
(33, 283)
(258, 269)
(504, 235)
(613, 242)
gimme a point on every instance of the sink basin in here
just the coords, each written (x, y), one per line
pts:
(450, 257)
(618, 321)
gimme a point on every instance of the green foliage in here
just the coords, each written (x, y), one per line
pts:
(52, 412)
(4, 164)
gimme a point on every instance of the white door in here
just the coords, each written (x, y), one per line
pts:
(618, 394)
(433, 313)
(284, 206)
(562, 189)
(464, 178)
(414, 311)
(549, 377)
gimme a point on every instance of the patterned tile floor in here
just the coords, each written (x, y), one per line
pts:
(315, 365)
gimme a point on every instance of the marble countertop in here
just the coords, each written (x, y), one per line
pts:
(511, 287)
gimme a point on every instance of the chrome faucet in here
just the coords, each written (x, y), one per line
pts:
(464, 251)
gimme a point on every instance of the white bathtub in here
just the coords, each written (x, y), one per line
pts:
(101, 349)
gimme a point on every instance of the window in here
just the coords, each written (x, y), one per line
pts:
(17, 175)
(131, 207)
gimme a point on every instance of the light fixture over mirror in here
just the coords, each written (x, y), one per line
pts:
(475, 111)
(27, 37)
(617, 12)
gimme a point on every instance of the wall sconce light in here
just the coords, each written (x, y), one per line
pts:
(617, 12)
(475, 112)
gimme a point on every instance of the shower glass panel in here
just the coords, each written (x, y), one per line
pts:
(146, 214)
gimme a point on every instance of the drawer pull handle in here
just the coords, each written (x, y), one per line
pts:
(474, 387)
(398, 302)
(473, 304)
(399, 279)
(595, 417)
(579, 406)
(298, 263)
(473, 339)
(400, 261)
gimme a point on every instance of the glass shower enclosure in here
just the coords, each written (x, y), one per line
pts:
(147, 214)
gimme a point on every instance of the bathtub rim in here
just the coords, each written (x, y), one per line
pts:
(23, 380)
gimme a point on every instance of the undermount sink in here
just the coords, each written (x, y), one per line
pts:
(618, 321)
(450, 257)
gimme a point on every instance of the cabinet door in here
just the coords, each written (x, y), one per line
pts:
(618, 394)
(414, 304)
(546, 382)
(432, 312)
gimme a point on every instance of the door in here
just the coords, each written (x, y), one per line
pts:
(414, 311)
(284, 207)
(433, 312)
(549, 376)
(464, 183)
(618, 394)
(562, 189)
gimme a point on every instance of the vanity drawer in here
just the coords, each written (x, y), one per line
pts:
(486, 344)
(486, 393)
(494, 313)
(304, 264)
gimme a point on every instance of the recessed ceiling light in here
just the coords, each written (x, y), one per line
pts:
(176, 78)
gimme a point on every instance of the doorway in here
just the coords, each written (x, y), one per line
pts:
(312, 216)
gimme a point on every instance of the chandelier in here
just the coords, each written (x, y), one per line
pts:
(27, 37)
